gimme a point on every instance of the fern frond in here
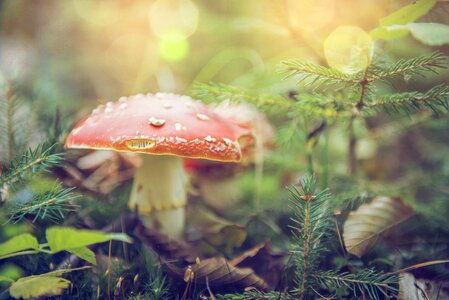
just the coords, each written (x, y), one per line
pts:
(436, 100)
(408, 67)
(215, 92)
(316, 74)
(367, 283)
(50, 206)
(31, 162)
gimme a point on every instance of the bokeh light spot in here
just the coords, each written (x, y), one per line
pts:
(173, 16)
(348, 49)
(174, 47)
(311, 14)
(99, 12)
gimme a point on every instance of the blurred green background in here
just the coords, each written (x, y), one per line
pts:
(78, 53)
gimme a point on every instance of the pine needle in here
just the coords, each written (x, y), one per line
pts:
(30, 162)
(51, 205)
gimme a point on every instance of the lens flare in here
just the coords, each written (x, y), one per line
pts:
(348, 49)
(97, 12)
(174, 47)
(311, 14)
(168, 17)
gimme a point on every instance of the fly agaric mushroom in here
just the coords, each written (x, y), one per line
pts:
(216, 182)
(165, 127)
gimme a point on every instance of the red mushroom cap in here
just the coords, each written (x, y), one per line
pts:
(251, 121)
(164, 124)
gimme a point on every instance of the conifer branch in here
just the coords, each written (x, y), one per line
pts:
(312, 223)
(367, 282)
(31, 162)
(435, 100)
(315, 73)
(254, 294)
(9, 105)
(50, 205)
(215, 92)
(307, 104)
(408, 67)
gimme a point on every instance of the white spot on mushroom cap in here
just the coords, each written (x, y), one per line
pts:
(180, 140)
(202, 117)
(178, 126)
(220, 147)
(76, 130)
(227, 141)
(156, 122)
(210, 139)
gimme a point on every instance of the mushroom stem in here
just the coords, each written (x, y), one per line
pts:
(221, 194)
(159, 193)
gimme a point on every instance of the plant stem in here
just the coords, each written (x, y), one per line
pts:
(306, 242)
(326, 157)
(9, 121)
(13, 176)
(258, 168)
(310, 162)
(26, 252)
(37, 205)
(309, 152)
(356, 281)
(19, 253)
(352, 154)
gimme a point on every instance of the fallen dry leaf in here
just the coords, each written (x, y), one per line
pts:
(218, 272)
(211, 232)
(364, 226)
(167, 248)
(98, 172)
(411, 288)
(267, 263)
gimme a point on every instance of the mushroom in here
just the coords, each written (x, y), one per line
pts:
(165, 127)
(216, 181)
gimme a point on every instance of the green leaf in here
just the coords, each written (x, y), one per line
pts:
(65, 238)
(38, 286)
(18, 243)
(390, 26)
(63, 271)
(432, 34)
(84, 253)
(10, 271)
(4, 278)
(408, 13)
(389, 32)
